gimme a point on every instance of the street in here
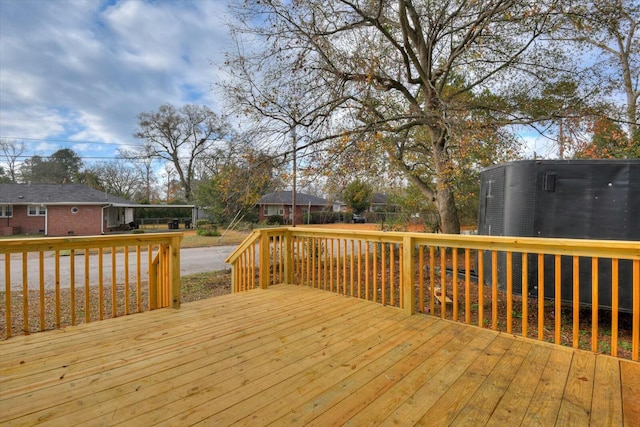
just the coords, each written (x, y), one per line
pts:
(192, 260)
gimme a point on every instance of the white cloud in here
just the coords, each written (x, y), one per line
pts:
(84, 70)
(537, 146)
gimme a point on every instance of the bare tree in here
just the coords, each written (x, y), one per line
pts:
(286, 110)
(611, 29)
(181, 137)
(413, 78)
(12, 150)
(119, 177)
(142, 158)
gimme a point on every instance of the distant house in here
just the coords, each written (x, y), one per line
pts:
(279, 203)
(379, 202)
(62, 210)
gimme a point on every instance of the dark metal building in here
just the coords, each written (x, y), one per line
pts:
(582, 199)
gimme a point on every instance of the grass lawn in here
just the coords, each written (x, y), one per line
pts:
(231, 237)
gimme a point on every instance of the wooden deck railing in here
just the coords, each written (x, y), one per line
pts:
(441, 275)
(54, 282)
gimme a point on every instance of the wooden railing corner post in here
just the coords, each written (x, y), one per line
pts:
(234, 281)
(174, 271)
(408, 290)
(288, 257)
(153, 281)
(264, 260)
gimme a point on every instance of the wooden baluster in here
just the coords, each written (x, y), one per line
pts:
(509, 292)
(7, 292)
(25, 294)
(558, 299)
(432, 280)
(540, 297)
(392, 274)
(481, 288)
(376, 245)
(359, 283)
(594, 304)
(421, 279)
(454, 281)
(494, 290)
(467, 286)
(41, 271)
(138, 280)
(57, 288)
(367, 265)
(525, 294)
(72, 282)
(614, 307)
(114, 290)
(126, 280)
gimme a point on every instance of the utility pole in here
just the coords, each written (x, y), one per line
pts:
(293, 193)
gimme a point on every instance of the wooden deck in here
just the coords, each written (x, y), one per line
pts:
(292, 355)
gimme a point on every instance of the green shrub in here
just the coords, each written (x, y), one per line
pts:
(203, 223)
(137, 231)
(209, 232)
(275, 220)
(322, 217)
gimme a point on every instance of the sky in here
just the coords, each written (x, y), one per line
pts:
(76, 73)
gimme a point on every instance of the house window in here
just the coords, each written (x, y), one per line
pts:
(270, 210)
(37, 210)
(6, 211)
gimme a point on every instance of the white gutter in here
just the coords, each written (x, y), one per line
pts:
(46, 220)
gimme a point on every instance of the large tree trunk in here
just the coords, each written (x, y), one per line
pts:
(442, 196)
(445, 200)
(449, 222)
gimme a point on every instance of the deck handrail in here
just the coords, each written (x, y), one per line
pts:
(249, 240)
(48, 256)
(435, 276)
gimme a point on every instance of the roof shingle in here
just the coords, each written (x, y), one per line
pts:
(22, 194)
(284, 198)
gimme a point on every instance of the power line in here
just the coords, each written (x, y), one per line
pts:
(69, 141)
(79, 156)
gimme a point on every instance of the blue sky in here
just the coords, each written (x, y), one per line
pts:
(76, 73)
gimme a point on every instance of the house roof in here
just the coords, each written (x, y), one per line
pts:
(284, 198)
(50, 194)
(379, 199)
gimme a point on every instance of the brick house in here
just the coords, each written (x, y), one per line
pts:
(279, 203)
(62, 210)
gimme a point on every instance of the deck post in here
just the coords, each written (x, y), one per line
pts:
(153, 281)
(288, 256)
(408, 290)
(174, 271)
(264, 260)
(234, 282)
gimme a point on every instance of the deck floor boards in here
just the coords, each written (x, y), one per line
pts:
(298, 356)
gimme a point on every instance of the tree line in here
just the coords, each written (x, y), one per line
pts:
(226, 177)
(414, 95)
(429, 92)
